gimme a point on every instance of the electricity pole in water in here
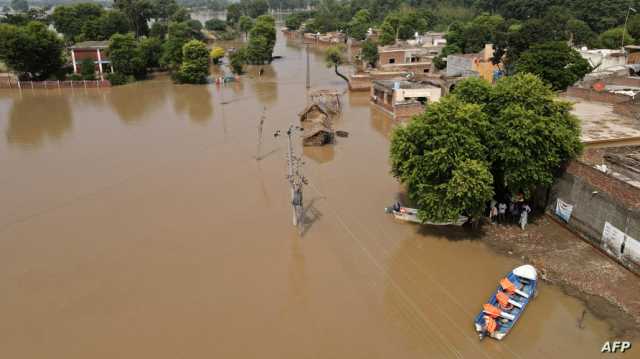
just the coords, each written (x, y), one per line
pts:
(296, 179)
(308, 70)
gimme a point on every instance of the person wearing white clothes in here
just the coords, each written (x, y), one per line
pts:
(524, 216)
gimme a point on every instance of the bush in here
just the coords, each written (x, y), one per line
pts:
(237, 59)
(215, 25)
(195, 63)
(117, 78)
(88, 69)
(216, 54)
(75, 77)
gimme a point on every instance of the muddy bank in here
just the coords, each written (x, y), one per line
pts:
(607, 289)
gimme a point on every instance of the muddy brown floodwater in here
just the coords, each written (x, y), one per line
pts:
(135, 222)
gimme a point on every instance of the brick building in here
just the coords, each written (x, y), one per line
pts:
(94, 50)
(407, 58)
(403, 99)
(470, 65)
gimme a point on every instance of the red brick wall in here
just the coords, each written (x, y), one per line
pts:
(397, 55)
(621, 191)
(406, 111)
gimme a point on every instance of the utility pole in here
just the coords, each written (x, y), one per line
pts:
(260, 125)
(626, 20)
(296, 179)
(308, 70)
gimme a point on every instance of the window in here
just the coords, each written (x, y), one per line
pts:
(426, 71)
(392, 61)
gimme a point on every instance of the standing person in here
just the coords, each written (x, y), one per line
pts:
(502, 211)
(493, 212)
(524, 214)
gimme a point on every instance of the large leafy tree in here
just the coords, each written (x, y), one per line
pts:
(360, 24)
(34, 51)
(612, 38)
(555, 63)
(178, 35)
(234, 11)
(70, 19)
(254, 8)
(483, 140)
(433, 153)
(138, 12)
(195, 63)
(126, 56)
(162, 10)
(262, 39)
(402, 25)
(370, 52)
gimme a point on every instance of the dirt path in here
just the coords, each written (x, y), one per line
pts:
(610, 291)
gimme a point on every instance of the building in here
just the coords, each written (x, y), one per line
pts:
(406, 58)
(94, 50)
(402, 99)
(315, 120)
(603, 59)
(473, 65)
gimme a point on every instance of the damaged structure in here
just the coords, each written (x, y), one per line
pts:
(318, 117)
(402, 99)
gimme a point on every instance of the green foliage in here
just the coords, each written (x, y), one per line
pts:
(151, 48)
(334, 57)
(195, 63)
(254, 8)
(612, 38)
(215, 25)
(163, 10)
(480, 140)
(118, 79)
(126, 56)
(370, 52)
(359, 25)
(245, 24)
(262, 39)
(159, 30)
(180, 15)
(294, 21)
(555, 63)
(634, 26)
(237, 59)
(403, 25)
(138, 12)
(70, 19)
(88, 69)
(178, 35)
(34, 51)
(195, 25)
(234, 11)
(580, 33)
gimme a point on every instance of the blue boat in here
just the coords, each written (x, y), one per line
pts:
(506, 305)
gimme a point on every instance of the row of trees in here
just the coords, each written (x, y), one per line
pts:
(483, 140)
(259, 49)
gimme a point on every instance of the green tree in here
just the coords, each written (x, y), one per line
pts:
(634, 26)
(370, 52)
(334, 57)
(138, 12)
(110, 23)
(434, 153)
(262, 39)
(293, 21)
(580, 33)
(162, 10)
(612, 38)
(237, 59)
(88, 69)
(151, 48)
(555, 63)
(33, 51)
(245, 24)
(178, 35)
(159, 30)
(359, 25)
(19, 5)
(234, 11)
(254, 8)
(195, 63)
(481, 140)
(126, 56)
(70, 19)
(215, 25)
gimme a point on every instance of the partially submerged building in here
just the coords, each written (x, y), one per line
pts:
(402, 99)
(406, 58)
(315, 120)
(92, 50)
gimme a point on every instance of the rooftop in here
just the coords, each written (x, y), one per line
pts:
(601, 125)
(402, 84)
(91, 45)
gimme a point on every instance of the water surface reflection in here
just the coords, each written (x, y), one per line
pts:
(34, 119)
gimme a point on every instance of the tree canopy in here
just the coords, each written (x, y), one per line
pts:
(482, 140)
(195, 63)
(34, 51)
(555, 63)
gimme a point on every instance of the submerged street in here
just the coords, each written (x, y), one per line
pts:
(135, 222)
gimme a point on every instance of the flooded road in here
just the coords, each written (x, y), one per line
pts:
(135, 222)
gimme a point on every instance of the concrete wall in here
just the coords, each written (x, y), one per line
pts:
(458, 65)
(598, 198)
(431, 93)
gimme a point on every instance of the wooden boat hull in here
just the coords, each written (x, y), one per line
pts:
(526, 275)
(411, 215)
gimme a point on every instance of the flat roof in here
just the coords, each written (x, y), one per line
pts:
(600, 124)
(91, 45)
(404, 84)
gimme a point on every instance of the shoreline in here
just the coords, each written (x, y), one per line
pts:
(579, 269)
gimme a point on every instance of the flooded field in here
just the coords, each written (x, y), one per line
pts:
(135, 222)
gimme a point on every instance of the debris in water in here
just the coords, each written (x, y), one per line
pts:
(342, 133)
